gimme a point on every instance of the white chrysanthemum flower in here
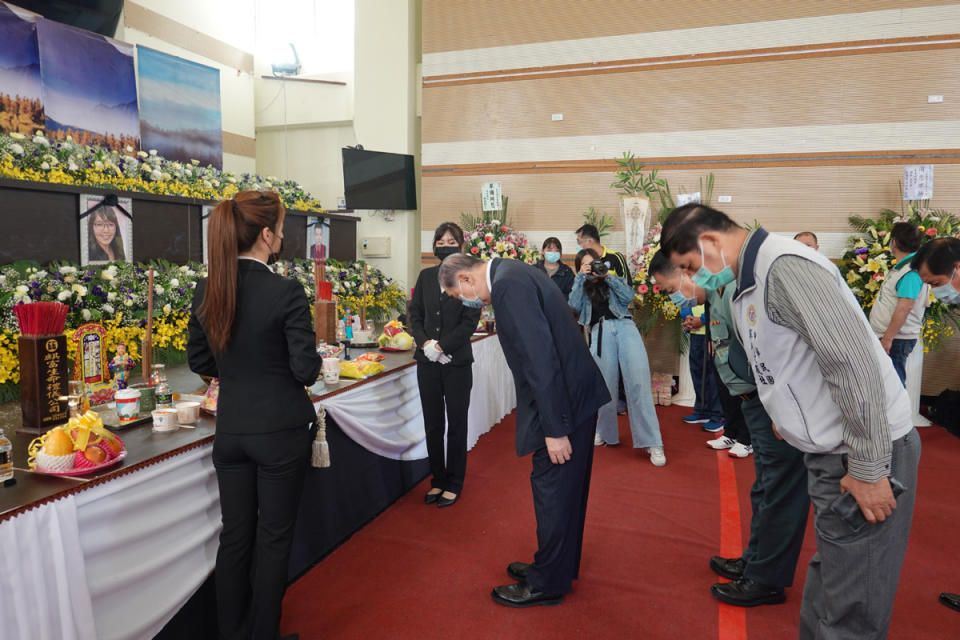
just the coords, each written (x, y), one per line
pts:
(86, 314)
(174, 283)
(108, 308)
(167, 308)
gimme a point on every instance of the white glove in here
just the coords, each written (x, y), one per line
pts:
(432, 350)
(445, 359)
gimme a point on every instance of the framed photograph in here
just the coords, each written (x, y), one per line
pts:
(106, 234)
(318, 238)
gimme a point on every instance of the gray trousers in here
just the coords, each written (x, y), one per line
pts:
(852, 578)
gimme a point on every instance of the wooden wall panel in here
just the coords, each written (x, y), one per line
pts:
(854, 89)
(782, 198)
(450, 25)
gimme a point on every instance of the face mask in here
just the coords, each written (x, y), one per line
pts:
(947, 293)
(579, 248)
(273, 257)
(470, 303)
(706, 279)
(681, 300)
(443, 252)
(552, 257)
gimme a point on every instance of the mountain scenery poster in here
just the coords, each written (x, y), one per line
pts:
(180, 108)
(21, 104)
(89, 87)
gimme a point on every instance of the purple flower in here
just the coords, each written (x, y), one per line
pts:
(861, 251)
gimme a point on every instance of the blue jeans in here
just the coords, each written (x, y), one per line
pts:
(900, 350)
(622, 349)
(704, 376)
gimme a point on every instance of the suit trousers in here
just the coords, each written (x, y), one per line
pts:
(261, 478)
(446, 386)
(852, 578)
(779, 500)
(560, 503)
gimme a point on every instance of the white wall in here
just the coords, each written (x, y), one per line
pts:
(301, 127)
(231, 21)
(387, 53)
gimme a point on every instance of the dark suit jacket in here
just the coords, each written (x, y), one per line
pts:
(559, 386)
(436, 316)
(269, 360)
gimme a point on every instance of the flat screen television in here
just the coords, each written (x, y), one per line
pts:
(378, 180)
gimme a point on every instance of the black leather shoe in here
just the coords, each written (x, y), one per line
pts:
(520, 595)
(952, 600)
(430, 498)
(447, 502)
(747, 593)
(518, 570)
(729, 568)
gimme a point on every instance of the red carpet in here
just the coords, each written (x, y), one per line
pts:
(422, 572)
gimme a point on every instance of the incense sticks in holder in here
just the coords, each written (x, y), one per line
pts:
(43, 364)
(325, 308)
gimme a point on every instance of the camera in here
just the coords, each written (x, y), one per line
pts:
(599, 268)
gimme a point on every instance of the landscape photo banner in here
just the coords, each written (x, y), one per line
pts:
(21, 101)
(180, 108)
(89, 87)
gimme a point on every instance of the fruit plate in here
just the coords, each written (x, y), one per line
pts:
(395, 350)
(363, 345)
(86, 470)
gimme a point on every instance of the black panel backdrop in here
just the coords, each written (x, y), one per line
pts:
(40, 222)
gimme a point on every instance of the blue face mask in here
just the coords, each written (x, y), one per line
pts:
(947, 293)
(706, 279)
(552, 257)
(470, 303)
(681, 300)
(579, 248)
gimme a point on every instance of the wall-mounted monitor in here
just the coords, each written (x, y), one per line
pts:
(378, 180)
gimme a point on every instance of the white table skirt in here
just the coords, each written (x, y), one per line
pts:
(118, 560)
(385, 416)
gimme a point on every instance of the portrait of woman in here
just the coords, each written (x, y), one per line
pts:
(106, 233)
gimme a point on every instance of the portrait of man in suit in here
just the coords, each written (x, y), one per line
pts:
(559, 390)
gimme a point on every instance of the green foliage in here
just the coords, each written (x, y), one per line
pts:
(632, 181)
(601, 221)
(471, 221)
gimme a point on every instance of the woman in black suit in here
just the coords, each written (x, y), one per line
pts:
(251, 329)
(442, 328)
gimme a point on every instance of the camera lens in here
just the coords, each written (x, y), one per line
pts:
(598, 268)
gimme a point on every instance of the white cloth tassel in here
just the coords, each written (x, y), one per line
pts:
(321, 448)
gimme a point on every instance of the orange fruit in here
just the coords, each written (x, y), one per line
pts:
(95, 454)
(57, 443)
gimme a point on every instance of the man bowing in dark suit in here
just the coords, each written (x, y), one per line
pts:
(559, 390)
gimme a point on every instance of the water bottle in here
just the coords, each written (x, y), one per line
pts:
(6, 458)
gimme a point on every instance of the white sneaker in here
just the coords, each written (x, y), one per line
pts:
(739, 450)
(721, 443)
(598, 441)
(657, 458)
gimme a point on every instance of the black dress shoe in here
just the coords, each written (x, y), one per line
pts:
(747, 593)
(518, 570)
(729, 568)
(521, 595)
(446, 502)
(952, 600)
(430, 498)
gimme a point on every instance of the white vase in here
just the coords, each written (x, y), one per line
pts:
(685, 396)
(915, 383)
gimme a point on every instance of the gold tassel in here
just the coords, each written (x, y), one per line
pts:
(321, 448)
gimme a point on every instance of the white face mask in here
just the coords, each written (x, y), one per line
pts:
(947, 293)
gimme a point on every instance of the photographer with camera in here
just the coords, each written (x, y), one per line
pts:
(601, 298)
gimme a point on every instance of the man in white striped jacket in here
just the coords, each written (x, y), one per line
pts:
(832, 392)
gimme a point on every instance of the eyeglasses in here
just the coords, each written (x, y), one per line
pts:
(104, 226)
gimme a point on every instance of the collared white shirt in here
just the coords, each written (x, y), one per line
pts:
(256, 260)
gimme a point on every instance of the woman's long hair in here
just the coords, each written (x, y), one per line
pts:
(597, 290)
(234, 228)
(95, 251)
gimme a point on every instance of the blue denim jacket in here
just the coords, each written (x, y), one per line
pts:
(621, 295)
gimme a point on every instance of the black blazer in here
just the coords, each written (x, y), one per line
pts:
(559, 386)
(269, 360)
(436, 316)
